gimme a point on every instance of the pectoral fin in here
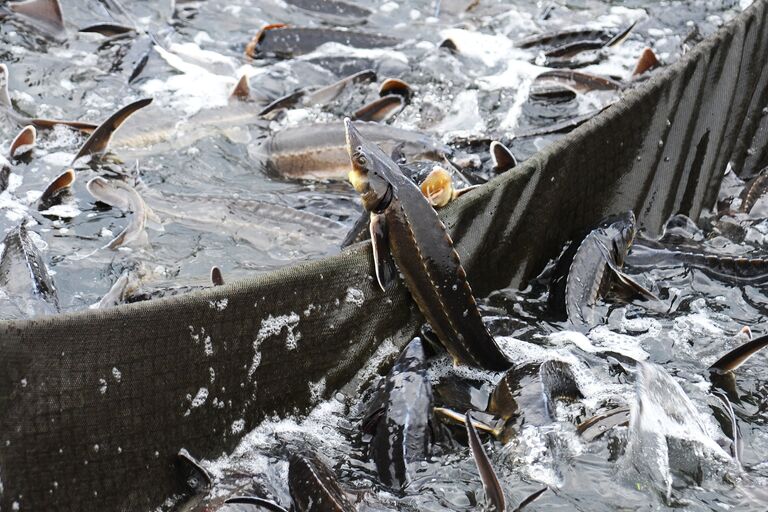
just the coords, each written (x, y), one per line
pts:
(99, 139)
(358, 230)
(382, 258)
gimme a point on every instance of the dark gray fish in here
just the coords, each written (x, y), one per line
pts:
(584, 273)
(313, 486)
(287, 42)
(494, 494)
(24, 277)
(738, 356)
(504, 399)
(558, 383)
(403, 434)
(318, 151)
(729, 269)
(564, 37)
(406, 231)
(598, 425)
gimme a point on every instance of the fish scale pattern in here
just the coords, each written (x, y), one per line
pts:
(96, 405)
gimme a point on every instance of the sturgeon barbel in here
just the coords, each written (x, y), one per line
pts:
(406, 231)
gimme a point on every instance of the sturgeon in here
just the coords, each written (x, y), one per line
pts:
(318, 151)
(24, 277)
(407, 232)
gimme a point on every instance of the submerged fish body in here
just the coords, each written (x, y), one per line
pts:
(286, 42)
(318, 151)
(313, 486)
(24, 277)
(403, 433)
(406, 228)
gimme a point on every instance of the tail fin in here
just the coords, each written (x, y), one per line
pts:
(99, 139)
(46, 13)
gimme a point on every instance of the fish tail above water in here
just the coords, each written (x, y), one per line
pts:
(738, 356)
(121, 195)
(99, 139)
(493, 491)
(44, 14)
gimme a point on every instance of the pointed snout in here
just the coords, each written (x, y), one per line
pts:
(352, 136)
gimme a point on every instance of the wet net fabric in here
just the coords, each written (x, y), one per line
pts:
(94, 406)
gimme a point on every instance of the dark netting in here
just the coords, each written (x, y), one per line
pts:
(96, 405)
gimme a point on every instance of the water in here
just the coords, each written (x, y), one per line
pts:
(479, 92)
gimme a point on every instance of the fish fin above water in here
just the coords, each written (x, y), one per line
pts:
(101, 136)
(251, 49)
(738, 356)
(502, 158)
(255, 500)
(48, 124)
(55, 188)
(46, 13)
(594, 427)
(395, 86)
(242, 90)
(216, 278)
(646, 62)
(380, 109)
(382, 258)
(493, 491)
(530, 499)
(126, 284)
(123, 196)
(23, 142)
(621, 36)
(107, 29)
(327, 94)
(195, 475)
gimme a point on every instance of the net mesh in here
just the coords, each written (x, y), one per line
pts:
(96, 404)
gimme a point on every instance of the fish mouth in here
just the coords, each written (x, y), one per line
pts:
(357, 176)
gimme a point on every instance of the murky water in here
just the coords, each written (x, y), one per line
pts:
(207, 183)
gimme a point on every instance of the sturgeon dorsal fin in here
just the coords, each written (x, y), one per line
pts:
(738, 356)
(242, 90)
(502, 157)
(5, 98)
(55, 188)
(24, 141)
(646, 62)
(46, 12)
(216, 278)
(99, 139)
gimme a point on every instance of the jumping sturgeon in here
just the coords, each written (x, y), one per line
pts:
(405, 230)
